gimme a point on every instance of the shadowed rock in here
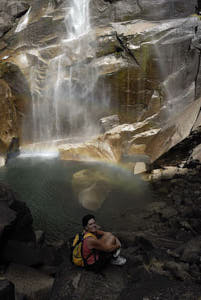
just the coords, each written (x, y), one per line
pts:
(7, 290)
(30, 282)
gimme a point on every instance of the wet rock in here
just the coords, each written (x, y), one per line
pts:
(140, 167)
(196, 155)
(135, 239)
(195, 271)
(144, 242)
(14, 94)
(72, 282)
(2, 161)
(8, 116)
(114, 145)
(17, 9)
(95, 150)
(156, 207)
(23, 229)
(192, 250)
(153, 283)
(7, 290)
(30, 282)
(127, 238)
(40, 237)
(186, 226)
(175, 131)
(13, 149)
(27, 254)
(177, 270)
(168, 172)
(165, 8)
(109, 122)
(168, 213)
(7, 217)
(5, 23)
(133, 257)
(129, 40)
(115, 11)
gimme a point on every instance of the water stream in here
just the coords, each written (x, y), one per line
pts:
(65, 101)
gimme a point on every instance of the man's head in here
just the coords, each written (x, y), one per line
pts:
(89, 223)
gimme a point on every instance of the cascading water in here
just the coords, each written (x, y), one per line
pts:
(66, 104)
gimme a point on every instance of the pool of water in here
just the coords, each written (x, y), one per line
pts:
(46, 186)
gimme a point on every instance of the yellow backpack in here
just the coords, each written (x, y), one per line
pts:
(77, 249)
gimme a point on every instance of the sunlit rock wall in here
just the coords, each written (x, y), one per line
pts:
(14, 97)
(150, 66)
(147, 53)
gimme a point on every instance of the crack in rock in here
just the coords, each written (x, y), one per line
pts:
(126, 49)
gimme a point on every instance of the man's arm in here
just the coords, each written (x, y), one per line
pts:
(108, 235)
(107, 243)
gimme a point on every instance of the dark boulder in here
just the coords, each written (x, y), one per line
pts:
(28, 254)
(7, 290)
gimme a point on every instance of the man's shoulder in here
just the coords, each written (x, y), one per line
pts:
(90, 235)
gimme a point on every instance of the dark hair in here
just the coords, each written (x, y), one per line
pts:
(86, 219)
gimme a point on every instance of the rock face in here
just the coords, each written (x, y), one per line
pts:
(147, 56)
(21, 253)
(117, 11)
(15, 220)
(109, 122)
(14, 96)
(9, 11)
(141, 76)
(7, 290)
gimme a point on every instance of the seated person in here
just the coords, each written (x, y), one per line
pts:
(99, 247)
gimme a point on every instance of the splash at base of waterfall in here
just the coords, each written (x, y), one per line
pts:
(39, 150)
(50, 149)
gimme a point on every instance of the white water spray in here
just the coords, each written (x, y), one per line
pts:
(66, 104)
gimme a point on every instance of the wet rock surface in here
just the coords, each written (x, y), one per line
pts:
(6, 290)
(103, 10)
(132, 54)
(22, 254)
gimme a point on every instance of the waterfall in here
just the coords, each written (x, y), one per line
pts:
(65, 101)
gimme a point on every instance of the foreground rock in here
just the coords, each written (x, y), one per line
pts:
(15, 220)
(7, 290)
(29, 282)
(19, 249)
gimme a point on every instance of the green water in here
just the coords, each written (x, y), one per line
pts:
(46, 186)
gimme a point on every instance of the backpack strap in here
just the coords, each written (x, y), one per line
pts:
(87, 234)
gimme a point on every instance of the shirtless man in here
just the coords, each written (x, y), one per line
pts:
(100, 247)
